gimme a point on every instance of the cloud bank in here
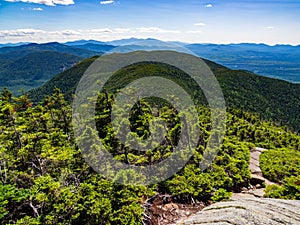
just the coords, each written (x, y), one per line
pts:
(106, 34)
(155, 30)
(46, 2)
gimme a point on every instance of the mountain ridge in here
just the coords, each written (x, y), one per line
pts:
(51, 46)
(34, 69)
(274, 99)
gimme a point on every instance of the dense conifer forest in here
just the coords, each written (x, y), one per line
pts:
(45, 180)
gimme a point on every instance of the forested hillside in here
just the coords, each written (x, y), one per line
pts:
(34, 69)
(270, 98)
(66, 81)
(29, 66)
(45, 180)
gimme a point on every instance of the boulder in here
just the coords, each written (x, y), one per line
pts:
(251, 211)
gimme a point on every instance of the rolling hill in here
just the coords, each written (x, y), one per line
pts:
(20, 51)
(34, 69)
(271, 98)
(29, 66)
(65, 81)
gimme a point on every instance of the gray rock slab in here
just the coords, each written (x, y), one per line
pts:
(252, 211)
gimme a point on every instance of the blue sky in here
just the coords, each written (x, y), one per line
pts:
(198, 21)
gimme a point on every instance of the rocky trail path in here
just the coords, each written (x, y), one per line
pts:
(246, 208)
(249, 207)
(257, 179)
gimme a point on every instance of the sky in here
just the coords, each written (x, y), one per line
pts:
(193, 21)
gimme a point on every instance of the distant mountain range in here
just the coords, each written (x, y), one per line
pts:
(83, 42)
(99, 48)
(14, 44)
(278, 61)
(25, 66)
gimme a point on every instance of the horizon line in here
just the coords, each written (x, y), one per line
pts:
(187, 43)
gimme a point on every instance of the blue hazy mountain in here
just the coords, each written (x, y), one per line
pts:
(83, 42)
(99, 48)
(131, 41)
(279, 61)
(13, 44)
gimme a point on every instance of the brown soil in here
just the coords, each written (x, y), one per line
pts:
(165, 210)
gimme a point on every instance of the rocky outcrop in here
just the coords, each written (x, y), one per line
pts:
(253, 211)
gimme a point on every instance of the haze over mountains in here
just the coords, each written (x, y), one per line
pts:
(279, 61)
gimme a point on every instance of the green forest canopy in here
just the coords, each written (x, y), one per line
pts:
(272, 99)
(45, 180)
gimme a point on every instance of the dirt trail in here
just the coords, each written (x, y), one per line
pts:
(163, 210)
(249, 206)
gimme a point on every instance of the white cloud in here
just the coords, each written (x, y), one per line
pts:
(46, 2)
(63, 2)
(155, 30)
(104, 34)
(18, 32)
(37, 9)
(270, 27)
(107, 2)
(109, 34)
(69, 33)
(208, 6)
(199, 24)
(96, 31)
(34, 35)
